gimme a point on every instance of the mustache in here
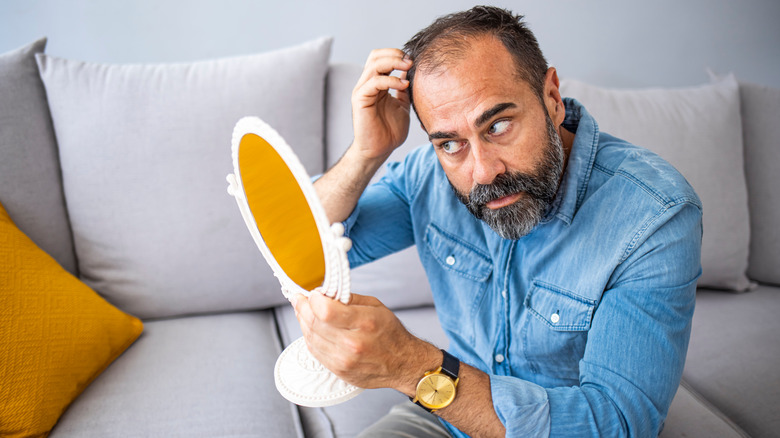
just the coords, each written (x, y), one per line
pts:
(506, 184)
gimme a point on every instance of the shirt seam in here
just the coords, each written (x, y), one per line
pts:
(632, 244)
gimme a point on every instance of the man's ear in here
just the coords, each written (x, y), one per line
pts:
(552, 97)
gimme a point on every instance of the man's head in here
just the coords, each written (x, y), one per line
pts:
(491, 108)
(448, 38)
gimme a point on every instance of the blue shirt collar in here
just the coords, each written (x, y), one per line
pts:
(580, 163)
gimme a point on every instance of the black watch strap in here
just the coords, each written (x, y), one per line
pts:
(450, 365)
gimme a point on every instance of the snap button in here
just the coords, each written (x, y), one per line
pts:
(450, 260)
(555, 318)
(499, 358)
(503, 293)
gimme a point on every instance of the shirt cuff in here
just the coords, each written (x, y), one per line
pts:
(349, 222)
(521, 406)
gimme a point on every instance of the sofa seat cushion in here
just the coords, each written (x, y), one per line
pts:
(690, 415)
(352, 417)
(734, 356)
(200, 376)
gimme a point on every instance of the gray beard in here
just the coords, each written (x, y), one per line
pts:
(538, 193)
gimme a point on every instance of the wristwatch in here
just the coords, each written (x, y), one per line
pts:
(437, 389)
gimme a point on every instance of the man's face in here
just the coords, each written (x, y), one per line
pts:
(495, 141)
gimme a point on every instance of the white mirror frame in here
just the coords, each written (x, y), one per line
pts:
(299, 377)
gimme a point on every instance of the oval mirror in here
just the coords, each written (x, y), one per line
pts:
(287, 222)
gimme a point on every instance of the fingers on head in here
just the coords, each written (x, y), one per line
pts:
(383, 62)
(378, 84)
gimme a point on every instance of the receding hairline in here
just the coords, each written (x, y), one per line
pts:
(451, 47)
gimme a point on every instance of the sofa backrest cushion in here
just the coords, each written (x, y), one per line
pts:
(30, 182)
(145, 150)
(761, 130)
(398, 280)
(699, 131)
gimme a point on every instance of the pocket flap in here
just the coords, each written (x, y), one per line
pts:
(457, 255)
(562, 310)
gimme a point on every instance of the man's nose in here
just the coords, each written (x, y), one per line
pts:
(487, 163)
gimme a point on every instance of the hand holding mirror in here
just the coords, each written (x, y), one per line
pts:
(307, 254)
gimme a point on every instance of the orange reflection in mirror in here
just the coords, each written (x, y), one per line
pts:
(281, 212)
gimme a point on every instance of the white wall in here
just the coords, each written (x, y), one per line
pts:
(617, 43)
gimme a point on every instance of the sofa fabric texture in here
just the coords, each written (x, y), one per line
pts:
(733, 356)
(200, 376)
(30, 182)
(175, 243)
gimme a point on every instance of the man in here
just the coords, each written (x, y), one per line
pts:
(562, 260)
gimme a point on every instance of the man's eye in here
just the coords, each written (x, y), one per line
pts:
(499, 127)
(452, 146)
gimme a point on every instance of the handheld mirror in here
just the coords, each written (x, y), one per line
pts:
(307, 254)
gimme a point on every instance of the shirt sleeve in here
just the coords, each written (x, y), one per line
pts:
(381, 223)
(635, 350)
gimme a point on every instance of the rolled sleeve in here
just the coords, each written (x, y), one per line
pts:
(523, 407)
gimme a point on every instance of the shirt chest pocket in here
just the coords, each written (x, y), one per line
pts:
(556, 329)
(459, 279)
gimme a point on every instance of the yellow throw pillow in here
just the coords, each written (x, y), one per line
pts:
(56, 335)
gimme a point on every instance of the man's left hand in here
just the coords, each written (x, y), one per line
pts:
(364, 343)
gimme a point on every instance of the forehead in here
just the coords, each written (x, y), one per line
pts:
(481, 76)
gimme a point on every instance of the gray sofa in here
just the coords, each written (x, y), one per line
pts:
(118, 173)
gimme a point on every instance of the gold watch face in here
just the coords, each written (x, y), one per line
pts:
(436, 391)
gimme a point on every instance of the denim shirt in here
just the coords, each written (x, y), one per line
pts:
(583, 324)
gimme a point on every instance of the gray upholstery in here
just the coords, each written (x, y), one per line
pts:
(761, 130)
(30, 181)
(690, 415)
(145, 150)
(350, 418)
(207, 376)
(734, 356)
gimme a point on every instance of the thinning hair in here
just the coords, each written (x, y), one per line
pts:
(449, 37)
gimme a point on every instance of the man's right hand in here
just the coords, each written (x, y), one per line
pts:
(381, 123)
(379, 118)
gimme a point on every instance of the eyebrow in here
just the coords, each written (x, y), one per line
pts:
(489, 114)
(481, 120)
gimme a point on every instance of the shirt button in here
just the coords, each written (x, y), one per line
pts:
(499, 358)
(555, 318)
(503, 293)
(450, 260)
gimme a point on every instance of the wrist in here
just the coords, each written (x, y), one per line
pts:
(362, 157)
(426, 359)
